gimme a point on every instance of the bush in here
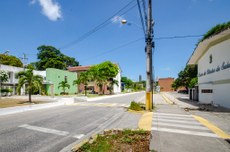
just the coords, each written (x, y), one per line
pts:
(7, 90)
(135, 106)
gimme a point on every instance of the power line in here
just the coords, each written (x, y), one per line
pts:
(116, 48)
(102, 25)
(145, 11)
(141, 17)
(177, 37)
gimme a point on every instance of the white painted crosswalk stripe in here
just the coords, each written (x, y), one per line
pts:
(170, 114)
(45, 130)
(171, 117)
(178, 121)
(159, 124)
(185, 132)
(79, 136)
(50, 131)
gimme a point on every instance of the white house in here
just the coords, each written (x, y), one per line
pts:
(213, 59)
(13, 81)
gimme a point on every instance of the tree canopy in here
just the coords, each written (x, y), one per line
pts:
(104, 72)
(32, 81)
(127, 82)
(186, 77)
(10, 60)
(50, 57)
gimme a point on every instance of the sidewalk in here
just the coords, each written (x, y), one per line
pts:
(174, 129)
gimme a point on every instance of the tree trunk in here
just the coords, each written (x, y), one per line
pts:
(85, 90)
(30, 93)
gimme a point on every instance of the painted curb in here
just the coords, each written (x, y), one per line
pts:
(212, 127)
(145, 122)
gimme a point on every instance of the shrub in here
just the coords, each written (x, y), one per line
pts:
(135, 106)
(6, 90)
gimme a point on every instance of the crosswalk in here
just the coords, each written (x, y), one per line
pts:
(180, 124)
(100, 104)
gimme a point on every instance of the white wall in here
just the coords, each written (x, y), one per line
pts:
(221, 95)
(218, 81)
(117, 89)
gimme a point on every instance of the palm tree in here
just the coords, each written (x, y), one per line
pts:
(63, 85)
(84, 79)
(112, 82)
(30, 80)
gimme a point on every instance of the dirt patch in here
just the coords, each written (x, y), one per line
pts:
(8, 102)
(119, 141)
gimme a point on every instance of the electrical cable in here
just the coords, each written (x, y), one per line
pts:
(114, 49)
(141, 17)
(100, 26)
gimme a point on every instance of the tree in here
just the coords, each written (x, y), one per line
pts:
(3, 78)
(112, 82)
(63, 85)
(185, 76)
(84, 79)
(104, 72)
(10, 60)
(50, 57)
(30, 80)
(127, 82)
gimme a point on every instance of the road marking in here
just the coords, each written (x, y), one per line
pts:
(212, 127)
(167, 99)
(100, 104)
(79, 136)
(45, 130)
(185, 132)
(178, 121)
(180, 126)
(170, 117)
(170, 114)
(145, 121)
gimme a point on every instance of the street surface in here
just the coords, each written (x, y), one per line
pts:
(174, 129)
(56, 129)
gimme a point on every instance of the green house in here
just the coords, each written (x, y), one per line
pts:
(55, 76)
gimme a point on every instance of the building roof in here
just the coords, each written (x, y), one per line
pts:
(79, 68)
(203, 46)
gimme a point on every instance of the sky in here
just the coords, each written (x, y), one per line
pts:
(28, 24)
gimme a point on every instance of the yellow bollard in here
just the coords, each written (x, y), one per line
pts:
(148, 102)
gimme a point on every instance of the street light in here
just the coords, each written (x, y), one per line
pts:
(130, 23)
(148, 50)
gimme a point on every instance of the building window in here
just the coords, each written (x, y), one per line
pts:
(210, 59)
(206, 91)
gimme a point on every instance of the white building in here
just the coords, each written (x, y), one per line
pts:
(213, 59)
(13, 81)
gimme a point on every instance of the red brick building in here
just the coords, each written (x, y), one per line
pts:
(165, 84)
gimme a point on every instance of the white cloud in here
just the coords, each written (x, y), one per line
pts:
(50, 8)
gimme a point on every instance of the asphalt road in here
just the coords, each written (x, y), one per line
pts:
(51, 130)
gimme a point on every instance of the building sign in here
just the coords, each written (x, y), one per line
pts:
(224, 66)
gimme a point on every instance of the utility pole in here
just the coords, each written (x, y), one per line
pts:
(149, 62)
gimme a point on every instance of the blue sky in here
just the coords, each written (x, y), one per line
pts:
(27, 24)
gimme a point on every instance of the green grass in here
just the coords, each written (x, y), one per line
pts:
(125, 140)
(136, 106)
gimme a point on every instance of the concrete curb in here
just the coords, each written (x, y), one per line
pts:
(58, 102)
(145, 122)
